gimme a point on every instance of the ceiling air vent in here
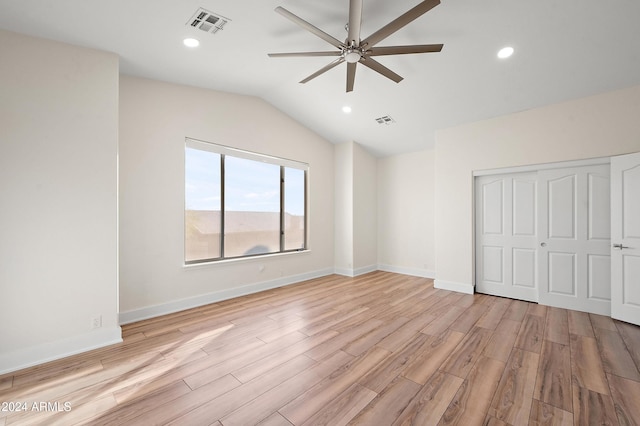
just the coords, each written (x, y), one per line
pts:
(208, 21)
(387, 119)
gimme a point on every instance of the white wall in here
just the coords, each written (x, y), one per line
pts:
(596, 126)
(343, 189)
(58, 185)
(356, 210)
(155, 118)
(365, 211)
(406, 228)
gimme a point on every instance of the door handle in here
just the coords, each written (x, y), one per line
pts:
(619, 246)
(543, 244)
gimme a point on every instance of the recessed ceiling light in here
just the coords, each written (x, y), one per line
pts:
(346, 109)
(191, 42)
(505, 52)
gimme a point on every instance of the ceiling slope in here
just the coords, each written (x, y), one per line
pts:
(563, 50)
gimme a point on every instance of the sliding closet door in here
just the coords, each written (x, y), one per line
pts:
(574, 262)
(506, 237)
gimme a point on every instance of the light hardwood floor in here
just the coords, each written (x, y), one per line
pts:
(379, 349)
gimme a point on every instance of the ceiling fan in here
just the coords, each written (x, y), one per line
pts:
(354, 50)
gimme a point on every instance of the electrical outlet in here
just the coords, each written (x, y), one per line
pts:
(96, 322)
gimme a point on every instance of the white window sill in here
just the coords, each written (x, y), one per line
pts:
(257, 258)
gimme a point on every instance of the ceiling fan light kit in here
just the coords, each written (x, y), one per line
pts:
(352, 56)
(354, 50)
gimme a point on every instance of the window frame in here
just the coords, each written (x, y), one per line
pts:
(283, 163)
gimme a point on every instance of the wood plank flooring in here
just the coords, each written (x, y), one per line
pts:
(379, 349)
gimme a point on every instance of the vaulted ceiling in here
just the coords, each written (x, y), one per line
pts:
(564, 49)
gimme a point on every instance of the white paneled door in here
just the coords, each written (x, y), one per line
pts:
(574, 253)
(625, 236)
(506, 237)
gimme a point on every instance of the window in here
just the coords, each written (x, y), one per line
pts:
(240, 204)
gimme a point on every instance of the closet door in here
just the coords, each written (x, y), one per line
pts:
(574, 262)
(506, 237)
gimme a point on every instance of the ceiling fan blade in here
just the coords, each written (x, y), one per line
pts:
(351, 75)
(311, 28)
(294, 54)
(403, 50)
(378, 67)
(400, 22)
(355, 21)
(323, 70)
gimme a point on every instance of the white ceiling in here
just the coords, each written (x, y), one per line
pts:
(564, 49)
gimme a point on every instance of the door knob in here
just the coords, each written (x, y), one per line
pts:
(543, 244)
(619, 246)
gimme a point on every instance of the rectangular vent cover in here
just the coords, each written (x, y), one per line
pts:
(387, 119)
(208, 21)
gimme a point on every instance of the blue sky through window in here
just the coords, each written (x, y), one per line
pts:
(250, 185)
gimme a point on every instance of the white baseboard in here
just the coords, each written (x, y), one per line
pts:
(415, 272)
(217, 296)
(453, 286)
(39, 354)
(364, 270)
(355, 272)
